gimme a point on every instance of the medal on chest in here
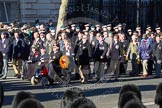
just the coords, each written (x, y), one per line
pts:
(117, 46)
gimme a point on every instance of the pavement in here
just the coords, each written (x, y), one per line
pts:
(104, 94)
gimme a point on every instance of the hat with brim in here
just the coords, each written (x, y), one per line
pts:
(9, 27)
(37, 25)
(51, 28)
(24, 27)
(85, 31)
(33, 46)
(109, 25)
(148, 28)
(11, 24)
(91, 31)
(104, 26)
(53, 31)
(42, 30)
(138, 28)
(92, 27)
(16, 29)
(129, 30)
(158, 28)
(116, 27)
(62, 27)
(119, 25)
(86, 25)
(97, 25)
(78, 27)
(67, 27)
(73, 25)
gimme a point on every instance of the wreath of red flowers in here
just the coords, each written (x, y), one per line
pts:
(64, 62)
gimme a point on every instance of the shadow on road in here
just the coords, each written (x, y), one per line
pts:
(52, 93)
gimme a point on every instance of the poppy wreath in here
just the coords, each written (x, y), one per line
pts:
(64, 62)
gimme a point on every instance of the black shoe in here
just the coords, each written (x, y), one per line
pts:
(132, 74)
(22, 78)
(149, 73)
(136, 74)
(51, 81)
(97, 80)
(1, 75)
(18, 76)
(157, 76)
(116, 79)
(15, 75)
(85, 82)
(81, 79)
(3, 78)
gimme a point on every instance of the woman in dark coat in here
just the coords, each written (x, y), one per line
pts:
(83, 57)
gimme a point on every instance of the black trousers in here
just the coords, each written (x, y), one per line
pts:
(150, 66)
(123, 67)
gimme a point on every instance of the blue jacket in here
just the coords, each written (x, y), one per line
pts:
(145, 50)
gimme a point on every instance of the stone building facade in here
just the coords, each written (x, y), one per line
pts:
(29, 10)
(42, 9)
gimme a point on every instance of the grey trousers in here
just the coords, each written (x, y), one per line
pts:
(99, 69)
(114, 68)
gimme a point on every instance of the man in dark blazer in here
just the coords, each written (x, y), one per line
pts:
(157, 53)
(115, 57)
(123, 61)
(4, 49)
(77, 42)
(17, 54)
(54, 65)
(37, 41)
(100, 59)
